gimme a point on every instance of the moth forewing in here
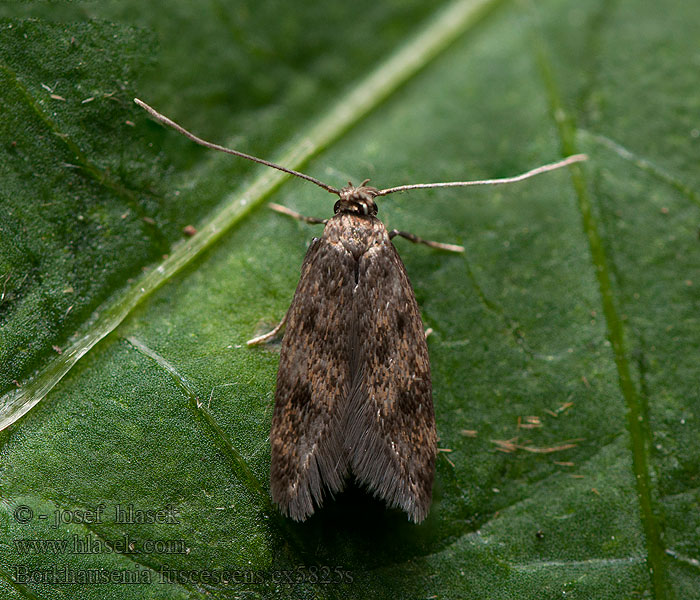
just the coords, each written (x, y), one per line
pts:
(353, 386)
(391, 423)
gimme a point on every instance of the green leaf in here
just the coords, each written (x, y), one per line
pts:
(564, 354)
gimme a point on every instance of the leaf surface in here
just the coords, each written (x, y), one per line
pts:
(564, 356)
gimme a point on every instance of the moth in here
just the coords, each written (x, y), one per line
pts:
(354, 395)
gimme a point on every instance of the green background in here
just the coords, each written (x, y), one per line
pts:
(576, 300)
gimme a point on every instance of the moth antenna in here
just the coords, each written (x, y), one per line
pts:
(163, 119)
(574, 158)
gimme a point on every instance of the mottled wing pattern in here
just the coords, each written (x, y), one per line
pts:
(353, 386)
(390, 422)
(313, 381)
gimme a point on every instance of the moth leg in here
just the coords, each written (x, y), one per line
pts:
(295, 215)
(416, 240)
(266, 337)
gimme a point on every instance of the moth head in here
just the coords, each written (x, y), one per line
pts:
(358, 200)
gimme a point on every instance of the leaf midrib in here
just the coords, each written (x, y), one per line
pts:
(423, 47)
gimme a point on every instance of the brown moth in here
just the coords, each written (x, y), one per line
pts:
(353, 390)
(353, 386)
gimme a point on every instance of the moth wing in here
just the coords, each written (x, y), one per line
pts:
(313, 382)
(390, 423)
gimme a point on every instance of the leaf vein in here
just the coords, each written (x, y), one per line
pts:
(642, 163)
(85, 164)
(638, 430)
(223, 441)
